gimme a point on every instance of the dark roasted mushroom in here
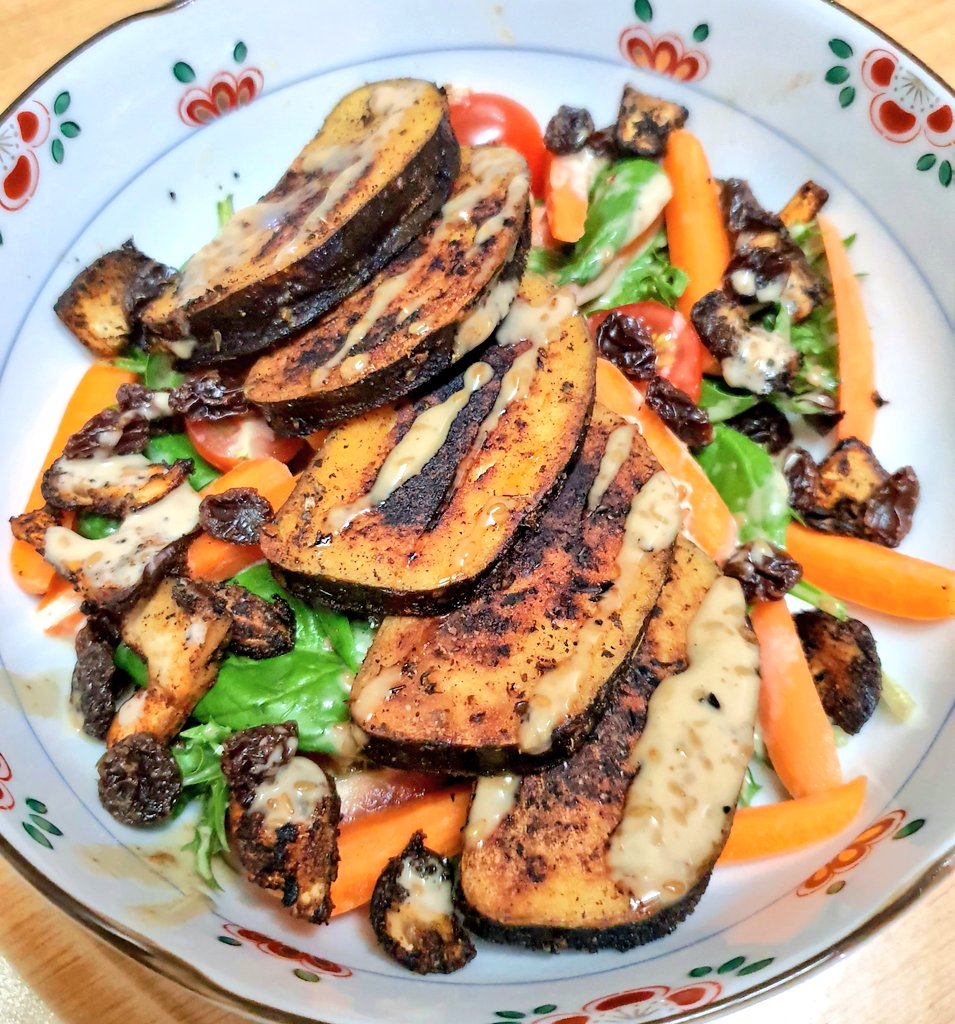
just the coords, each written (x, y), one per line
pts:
(108, 433)
(95, 681)
(236, 515)
(644, 123)
(766, 572)
(139, 781)
(208, 396)
(751, 357)
(568, 130)
(678, 411)
(628, 344)
(260, 628)
(150, 405)
(412, 912)
(765, 425)
(287, 836)
(253, 756)
(845, 666)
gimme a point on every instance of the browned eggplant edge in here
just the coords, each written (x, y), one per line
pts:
(255, 318)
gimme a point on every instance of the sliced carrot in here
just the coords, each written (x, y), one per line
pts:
(216, 560)
(566, 191)
(95, 392)
(709, 522)
(695, 230)
(58, 611)
(874, 576)
(365, 845)
(792, 824)
(795, 728)
(856, 354)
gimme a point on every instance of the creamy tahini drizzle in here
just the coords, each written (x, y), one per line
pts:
(493, 801)
(248, 230)
(119, 471)
(691, 757)
(481, 321)
(365, 703)
(759, 357)
(429, 895)
(120, 559)
(653, 522)
(292, 794)
(619, 444)
(413, 452)
(489, 166)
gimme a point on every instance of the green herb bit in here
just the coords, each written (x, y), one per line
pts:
(225, 208)
(818, 598)
(897, 699)
(749, 789)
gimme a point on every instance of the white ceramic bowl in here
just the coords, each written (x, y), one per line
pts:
(139, 132)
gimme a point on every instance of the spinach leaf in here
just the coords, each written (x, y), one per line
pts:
(749, 788)
(541, 260)
(134, 361)
(626, 198)
(749, 482)
(167, 448)
(159, 373)
(128, 661)
(723, 403)
(649, 277)
(94, 526)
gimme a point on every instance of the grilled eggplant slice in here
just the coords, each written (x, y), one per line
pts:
(412, 912)
(437, 301)
(518, 676)
(550, 860)
(113, 572)
(102, 305)
(406, 507)
(361, 190)
(181, 632)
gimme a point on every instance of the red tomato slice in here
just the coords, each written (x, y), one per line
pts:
(225, 443)
(482, 117)
(679, 349)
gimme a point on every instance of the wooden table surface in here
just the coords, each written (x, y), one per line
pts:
(53, 972)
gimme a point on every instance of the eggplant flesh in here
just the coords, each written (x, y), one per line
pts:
(431, 305)
(485, 449)
(381, 165)
(517, 677)
(541, 878)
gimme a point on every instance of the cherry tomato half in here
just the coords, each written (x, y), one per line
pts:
(482, 117)
(679, 350)
(225, 443)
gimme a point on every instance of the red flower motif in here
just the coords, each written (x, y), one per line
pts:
(666, 55)
(903, 106)
(639, 1003)
(7, 801)
(856, 852)
(225, 93)
(19, 167)
(278, 949)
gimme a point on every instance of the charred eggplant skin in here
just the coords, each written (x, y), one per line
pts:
(257, 317)
(621, 937)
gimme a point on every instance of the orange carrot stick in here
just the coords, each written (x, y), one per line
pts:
(792, 824)
(366, 844)
(795, 728)
(95, 392)
(856, 355)
(695, 230)
(874, 576)
(709, 521)
(216, 560)
(566, 194)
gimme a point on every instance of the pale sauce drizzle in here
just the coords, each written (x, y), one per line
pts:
(653, 522)
(615, 455)
(365, 703)
(691, 757)
(493, 800)
(292, 794)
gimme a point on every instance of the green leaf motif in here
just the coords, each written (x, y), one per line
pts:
(56, 148)
(61, 104)
(837, 75)
(642, 9)
(545, 1008)
(846, 96)
(926, 162)
(227, 940)
(757, 965)
(700, 972)
(910, 829)
(731, 965)
(36, 835)
(70, 129)
(513, 1014)
(306, 975)
(837, 886)
(840, 48)
(701, 32)
(1, 238)
(183, 72)
(240, 52)
(945, 173)
(47, 826)
(36, 805)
